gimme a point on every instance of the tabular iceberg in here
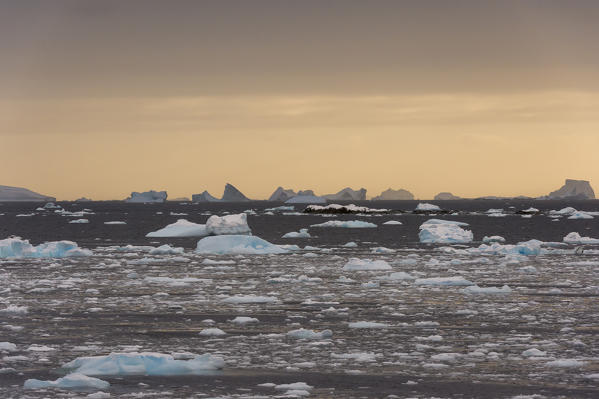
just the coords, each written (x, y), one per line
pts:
(237, 245)
(181, 228)
(446, 196)
(436, 231)
(147, 196)
(144, 363)
(573, 189)
(229, 224)
(347, 194)
(15, 247)
(394, 195)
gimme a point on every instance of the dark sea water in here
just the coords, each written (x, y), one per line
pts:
(432, 340)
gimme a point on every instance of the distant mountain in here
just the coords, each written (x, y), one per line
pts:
(394, 195)
(578, 189)
(347, 194)
(8, 193)
(446, 196)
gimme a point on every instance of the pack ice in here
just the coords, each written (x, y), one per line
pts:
(237, 245)
(16, 247)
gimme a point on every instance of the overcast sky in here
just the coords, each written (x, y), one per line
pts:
(100, 98)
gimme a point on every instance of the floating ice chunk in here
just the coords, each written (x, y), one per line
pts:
(181, 228)
(336, 208)
(98, 395)
(115, 222)
(425, 207)
(166, 250)
(237, 245)
(244, 320)
(531, 247)
(382, 250)
(367, 324)
(79, 221)
(435, 231)
(580, 215)
(533, 352)
(8, 347)
(228, 224)
(400, 276)
(450, 281)
(75, 380)
(14, 309)
(392, 223)
(144, 363)
(350, 244)
(492, 239)
(294, 386)
(475, 289)
(212, 332)
(563, 212)
(355, 264)
(309, 334)
(575, 238)
(15, 247)
(303, 233)
(349, 224)
(566, 363)
(250, 299)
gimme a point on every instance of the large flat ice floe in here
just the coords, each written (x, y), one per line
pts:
(181, 228)
(336, 208)
(437, 231)
(229, 224)
(237, 245)
(575, 238)
(16, 247)
(144, 363)
(355, 264)
(75, 380)
(348, 224)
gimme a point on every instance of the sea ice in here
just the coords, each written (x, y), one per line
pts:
(367, 324)
(15, 247)
(451, 281)
(79, 221)
(425, 207)
(237, 245)
(475, 289)
(575, 238)
(392, 223)
(303, 333)
(355, 264)
(181, 228)
(303, 233)
(350, 224)
(144, 363)
(250, 299)
(75, 380)
(166, 250)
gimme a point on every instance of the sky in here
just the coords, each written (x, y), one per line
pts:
(101, 98)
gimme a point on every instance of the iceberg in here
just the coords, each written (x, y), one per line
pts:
(147, 197)
(306, 199)
(580, 215)
(355, 264)
(575, 238)
(573, 189)
(349, 224)
(531, 247)
(282, 194)
(303, 233)
(567, 211)
(446, 196)
(436, 231)
(347, 194)
(237, 245)
(303, 333)
(144, 363)
(181, 228)
(75, 380)
(204, 197)
(9, 193)
(336, 208)
(232, 194)
(15, 247)
(229, 224)
(394, 195)
(392, 223)
(448, 281)
(492, 239)
(166, 250)
(426, 208)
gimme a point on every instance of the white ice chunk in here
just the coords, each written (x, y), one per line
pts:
(435, 231)
(423, 206)
(15, 247)
(303, 333)
(349, 224)
(475, 289)
(181, 228)
(237, 244)
(228, 224)
(303, 233)
(575, 238)
(450, 281)
(355, 264)
(75, 380)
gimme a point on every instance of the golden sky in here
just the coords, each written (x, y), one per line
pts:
(103, 98)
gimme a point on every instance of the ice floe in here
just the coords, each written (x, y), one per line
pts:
(349, 224)
(16, 247)
(181, 228)
(237, 245)
(436, 231)
(228, 224)
(355, 264)
(74, 380)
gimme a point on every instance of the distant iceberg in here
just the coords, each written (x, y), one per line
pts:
(204, 197)
(147, 197)
(347, 194)
(181, 228)
(237, 245)
(394, 195)
(282, 194)
(306, 199)
(425, 207)
(573, 189)
(15, 247)
(231, 194)
(446, 196)
(8, 193)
